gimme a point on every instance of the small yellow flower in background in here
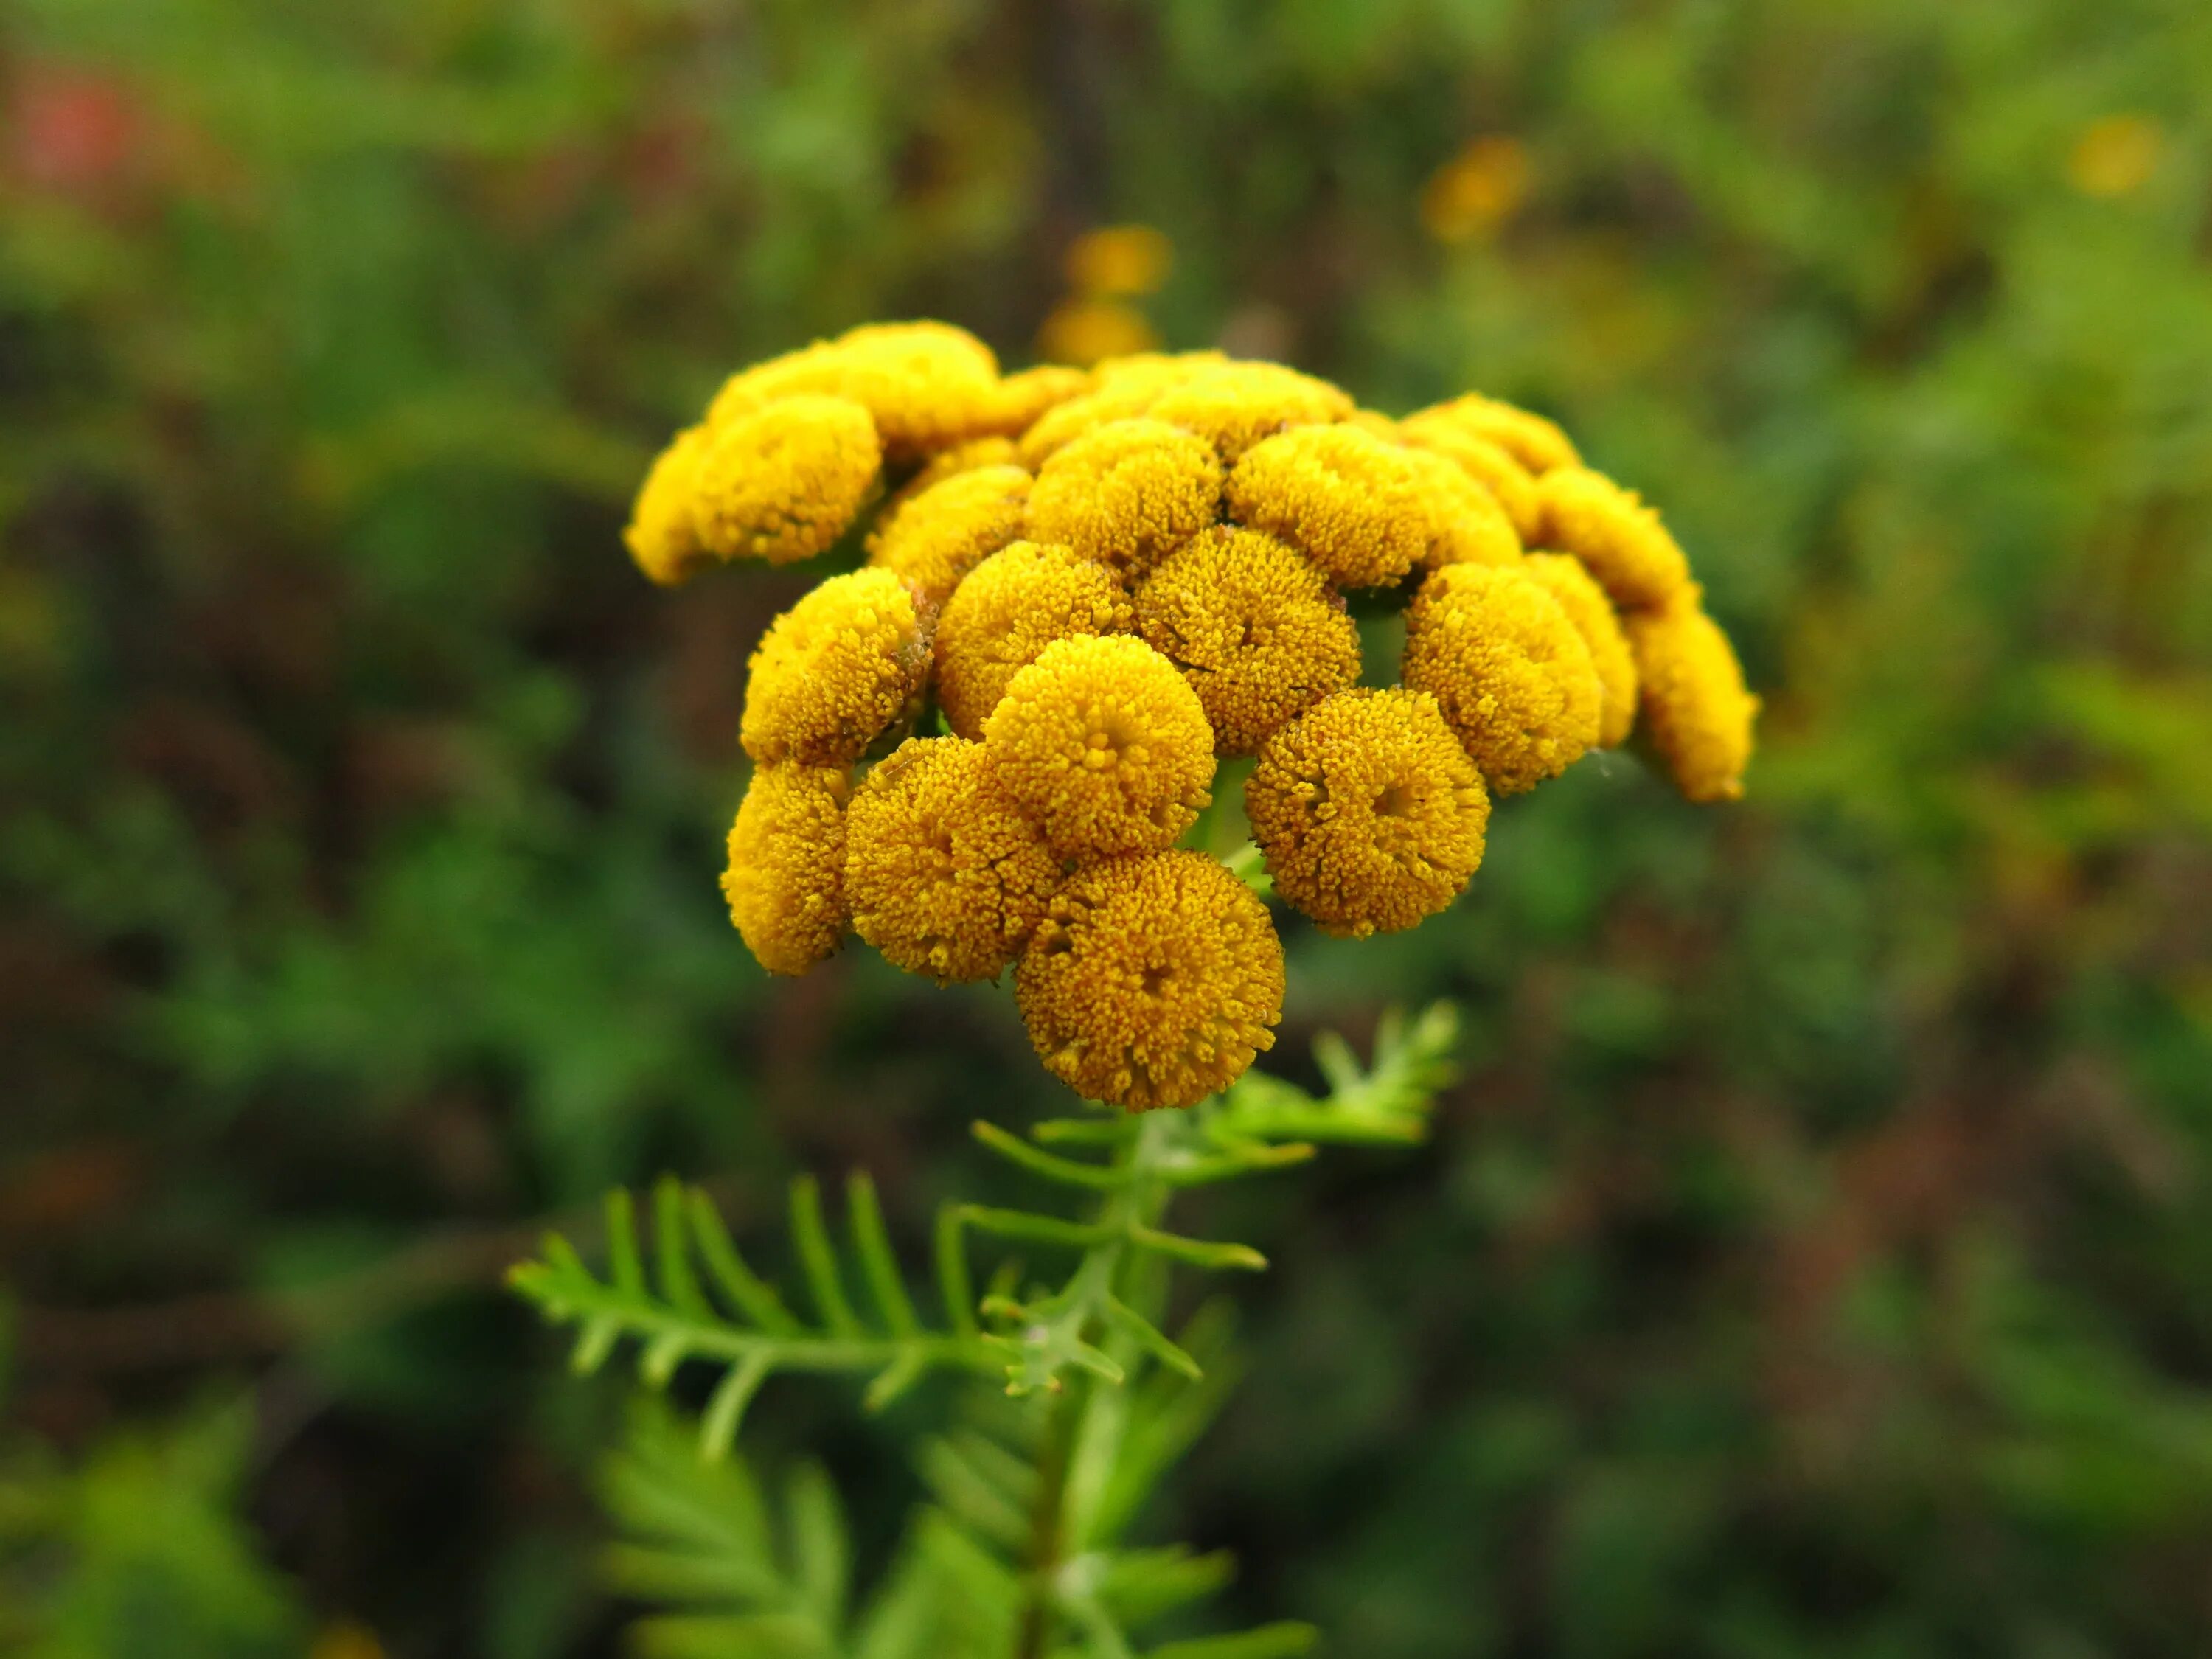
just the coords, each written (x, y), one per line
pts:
(1477, 191)
(1693, 698)
(1012, 605)
(1152, 982)
(1509, 670)
(1101, 741)
(1369, 813)
(834, 671)
(2116, 155)
(1256, 630)
(1566, 578)
(1120, 261)
(944, 873)
(784, 879)
(346, 1640)
(1081, 332)
(1619, 539)
(1100, 580)
(940, 535)
(1127, 493)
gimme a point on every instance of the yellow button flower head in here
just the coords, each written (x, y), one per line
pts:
(663, 534)
(994, 450)
(1121, 389)
(1536, 443)
(1235, 405)
(835, 670)
(1508, 669)
(1695, 706)
(1364, 510)
(1256, 630)
(1475, 528)
(1488, 464)
(1127, 494)
(1153, 980)
(784, 482)
(1610, 530)
(1104, 744)
(927, 384)
(935, 539)
(1593, 616)
(944, 873)
(1012, 605)
(1369, 813)
(784, 878)
(1023, 398)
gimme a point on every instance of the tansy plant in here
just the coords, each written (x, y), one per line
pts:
(1001, 743)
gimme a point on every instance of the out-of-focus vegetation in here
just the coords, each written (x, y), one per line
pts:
(1816, 1259)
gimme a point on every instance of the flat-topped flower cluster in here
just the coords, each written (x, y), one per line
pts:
(1092, 586)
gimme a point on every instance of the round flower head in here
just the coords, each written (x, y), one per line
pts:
(1512, 677)
(946, 464)
(1024, 398)
(1371, 814)
(1153, 980)
(1695, 706)
(1121, 389)
(784, 878)
(1610, 530)
(1361, 508)
(783, 483)
(663, 533)
(1536, 443)
(1012, 605)
(1592, 614)
(834, 671)
(1127, 494)
(1236, 404)
(940, 536)
(927, 384)
(1488, 464)
(1104, 744)
(1256, 630)
(1476, 529)
(944, 873)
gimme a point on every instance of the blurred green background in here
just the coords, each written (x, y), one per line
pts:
(1816, 1259)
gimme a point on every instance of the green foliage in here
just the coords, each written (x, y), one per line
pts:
(138, 1553)
(1023, 1551)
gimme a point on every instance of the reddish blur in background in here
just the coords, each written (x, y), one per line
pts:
(1816, 1259)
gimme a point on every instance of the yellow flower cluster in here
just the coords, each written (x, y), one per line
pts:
(1096, 584)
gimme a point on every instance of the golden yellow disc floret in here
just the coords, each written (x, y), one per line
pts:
(1610, 530)
(936, 538)
(1256, 630)
(1489, 464)
(1235, 405)
(784, 879)
(965, 457)
(835, 670)
(663, 534)
(1127, 494)
(1357, 506)
(927, 384)
(1121, 389)
(1508, 669)
(944, 873)
(1593, 616)
(1538, 444)
(1153, 980)
(1012, 605)
(783, 483)
(1369, 813)
(1695, 706)
(1104, 745)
